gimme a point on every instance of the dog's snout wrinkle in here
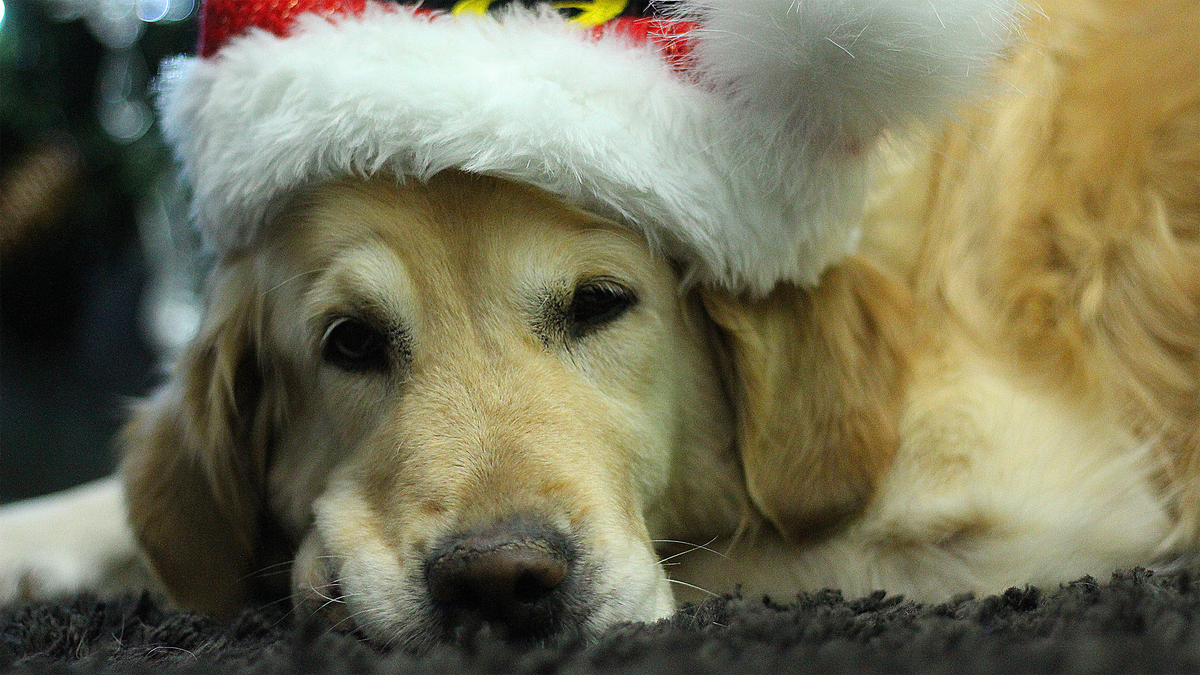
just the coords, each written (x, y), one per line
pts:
(510, 575)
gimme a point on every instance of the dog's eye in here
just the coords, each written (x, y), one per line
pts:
(355, 346)
(596, 303)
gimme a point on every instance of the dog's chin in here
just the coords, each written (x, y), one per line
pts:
(389, 599)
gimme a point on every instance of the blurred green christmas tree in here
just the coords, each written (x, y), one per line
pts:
(78, 154)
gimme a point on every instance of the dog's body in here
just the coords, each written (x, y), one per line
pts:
(463, 400)
(1014, 388)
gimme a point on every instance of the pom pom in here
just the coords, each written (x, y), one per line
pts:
(839, 72)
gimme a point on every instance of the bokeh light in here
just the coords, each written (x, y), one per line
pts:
(153, 11)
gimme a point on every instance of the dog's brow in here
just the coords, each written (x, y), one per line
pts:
(367, 279)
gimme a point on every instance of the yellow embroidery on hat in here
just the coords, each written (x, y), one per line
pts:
(471, 6)
(591, 12)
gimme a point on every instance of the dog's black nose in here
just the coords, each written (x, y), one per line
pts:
(499, 576)
(513, 575)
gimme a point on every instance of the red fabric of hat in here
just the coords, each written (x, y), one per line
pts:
(224, 20)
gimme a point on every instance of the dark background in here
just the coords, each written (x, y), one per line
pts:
(77, 158)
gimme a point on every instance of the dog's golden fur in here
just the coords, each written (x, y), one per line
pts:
(1001, 387)
(492, 404)
(1024, 309)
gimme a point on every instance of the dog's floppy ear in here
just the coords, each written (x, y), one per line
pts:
(817, 376)
(195, 457)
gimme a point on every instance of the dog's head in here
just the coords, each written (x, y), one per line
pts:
(450, 402)
(463, 402)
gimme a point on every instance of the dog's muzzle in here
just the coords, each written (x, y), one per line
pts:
(522, 577)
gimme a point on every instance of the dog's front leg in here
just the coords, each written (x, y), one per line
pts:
(70, 541)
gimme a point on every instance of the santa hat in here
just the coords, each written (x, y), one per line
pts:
(733, 133)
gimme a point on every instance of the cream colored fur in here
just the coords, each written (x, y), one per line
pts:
(1030, 282)
(1001, 387)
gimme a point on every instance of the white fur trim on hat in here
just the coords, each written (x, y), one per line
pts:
(750, 169)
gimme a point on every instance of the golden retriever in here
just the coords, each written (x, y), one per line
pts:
(440, 398)
(461, 402)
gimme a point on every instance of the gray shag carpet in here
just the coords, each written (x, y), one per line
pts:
(1137, 621)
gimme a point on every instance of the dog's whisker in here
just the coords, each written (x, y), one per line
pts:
(293, 603)
(331, 601)
(667, 560)
(289, 597)
(285, 563)
(269, 570)
(263, 574)
(328, 598)
(706, 546)
(288, 281)
(349, 617)
(297, 599)
(693, 586)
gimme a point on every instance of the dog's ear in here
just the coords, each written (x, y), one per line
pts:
(818, 375)
(195, 457)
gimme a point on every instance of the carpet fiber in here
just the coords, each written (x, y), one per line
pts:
(1137, 621)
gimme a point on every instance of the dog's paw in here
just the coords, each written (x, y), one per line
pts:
(64, 543)
(46, 574)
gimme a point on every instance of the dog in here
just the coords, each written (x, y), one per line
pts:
(418, 408)
(469, 392)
